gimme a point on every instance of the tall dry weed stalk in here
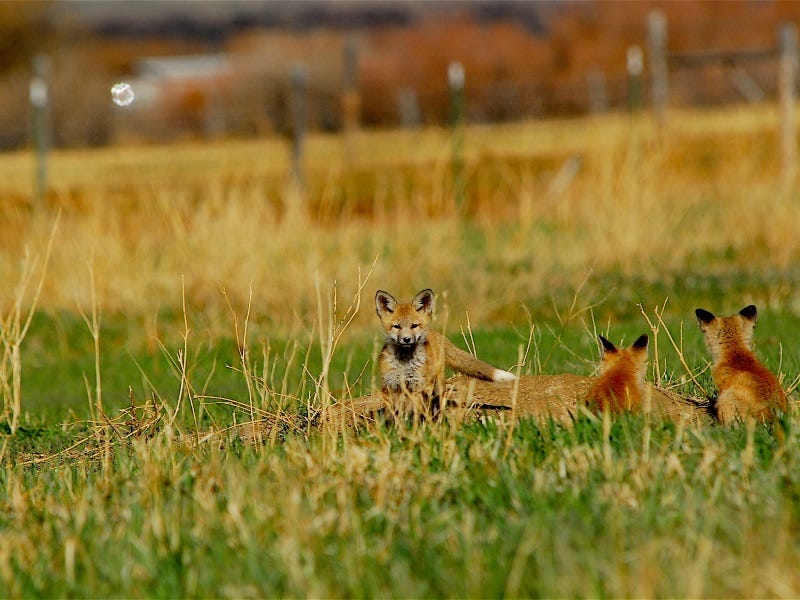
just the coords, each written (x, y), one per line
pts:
(14, 326)
(656, 325)
(92, 321)
(331, 329)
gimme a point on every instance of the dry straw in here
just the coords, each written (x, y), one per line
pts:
(216, 215)
(14, 326)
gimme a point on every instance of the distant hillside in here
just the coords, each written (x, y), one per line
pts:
(215, 20)
(523, 60)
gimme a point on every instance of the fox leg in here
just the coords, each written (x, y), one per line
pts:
(729, 407)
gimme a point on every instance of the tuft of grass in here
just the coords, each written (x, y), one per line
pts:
(14, 327)
(435, 511)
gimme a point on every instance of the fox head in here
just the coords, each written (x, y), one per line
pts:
(620, 385)
(633, 359)
(721, 333)
(406, 324)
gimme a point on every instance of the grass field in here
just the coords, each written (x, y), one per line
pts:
(161, 293)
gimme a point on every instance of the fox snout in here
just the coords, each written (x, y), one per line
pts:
(406, 340)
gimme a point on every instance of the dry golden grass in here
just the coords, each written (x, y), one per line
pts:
(154, 223)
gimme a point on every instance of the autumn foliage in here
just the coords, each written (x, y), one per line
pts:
(513, 69)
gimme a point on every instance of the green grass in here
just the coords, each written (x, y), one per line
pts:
(481, 509)
(440, 511)
(129, 502)
(58, 360)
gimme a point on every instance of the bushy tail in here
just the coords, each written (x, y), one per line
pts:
(463, 362)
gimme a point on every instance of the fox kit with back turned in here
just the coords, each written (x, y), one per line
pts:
(745, 387)
(620, 385)
(414, 356)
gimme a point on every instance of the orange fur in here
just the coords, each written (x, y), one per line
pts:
(745, 387)
(620, 385)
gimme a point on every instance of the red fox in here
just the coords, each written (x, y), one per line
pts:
(745, 387)
(414, 356)
(620, 385)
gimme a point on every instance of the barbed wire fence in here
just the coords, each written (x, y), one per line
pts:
(709, 77)
(297, 103)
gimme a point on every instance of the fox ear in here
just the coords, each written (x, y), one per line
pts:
(384, 302)
(641, 342)
(424, 301)
(703, 316)
(607, 346)
(749, 312)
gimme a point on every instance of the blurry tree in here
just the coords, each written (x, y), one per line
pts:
(23, 30)
(502, 61)
(522, 60)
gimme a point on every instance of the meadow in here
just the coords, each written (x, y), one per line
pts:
(160, 300)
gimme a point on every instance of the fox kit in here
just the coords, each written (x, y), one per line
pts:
(414, 356)
(745, 387)
(620, 385)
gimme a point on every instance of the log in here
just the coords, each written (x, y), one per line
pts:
(542, 397)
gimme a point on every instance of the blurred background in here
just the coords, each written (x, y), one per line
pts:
(212, 69)
(528, 144)
(553, 165)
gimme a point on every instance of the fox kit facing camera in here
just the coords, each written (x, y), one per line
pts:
(745, 387)
(620, 385)
(414, 356)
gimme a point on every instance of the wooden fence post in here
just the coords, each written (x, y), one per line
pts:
(351, 100)
(455, 79)
(295, 201)
(38, 95)
(598, 92)
(408, 108)
(787, 82)
(657, 45)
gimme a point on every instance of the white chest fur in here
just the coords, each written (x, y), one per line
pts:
(404, 368)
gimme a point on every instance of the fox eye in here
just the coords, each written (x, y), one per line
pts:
(414, 325)
(397, 326)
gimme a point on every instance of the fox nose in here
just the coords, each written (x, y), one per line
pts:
(406, 340)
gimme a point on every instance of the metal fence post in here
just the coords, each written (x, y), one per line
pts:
(635, 67)
(455, 79)
(38, 95)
